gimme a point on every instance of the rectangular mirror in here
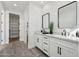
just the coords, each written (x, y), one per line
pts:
(67, 15)
(45, 21)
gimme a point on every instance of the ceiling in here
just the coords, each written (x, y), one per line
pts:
(43, 3)
(19, 5)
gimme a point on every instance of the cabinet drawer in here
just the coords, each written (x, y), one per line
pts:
(46, 40)
(70, 45)
(58, 41)
(45, 43)
(46, 49)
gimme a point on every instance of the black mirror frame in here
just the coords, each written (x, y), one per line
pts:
(48, 19)
(65, 6)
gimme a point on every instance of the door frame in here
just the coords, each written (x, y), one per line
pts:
(7, 25)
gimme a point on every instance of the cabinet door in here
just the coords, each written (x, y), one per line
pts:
(68, 52)
(54, 47)
(69, 49)
(39, 41)
(54, 50)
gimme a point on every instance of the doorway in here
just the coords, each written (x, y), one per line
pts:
(13, 27)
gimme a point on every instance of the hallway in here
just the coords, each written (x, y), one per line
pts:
(19, 49)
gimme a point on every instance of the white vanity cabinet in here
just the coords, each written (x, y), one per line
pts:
(39, 41)
(55, 46)
(42, 42)
(61, 48)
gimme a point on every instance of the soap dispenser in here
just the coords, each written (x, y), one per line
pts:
(77, 34)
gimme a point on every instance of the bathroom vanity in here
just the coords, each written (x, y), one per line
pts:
(57, 45)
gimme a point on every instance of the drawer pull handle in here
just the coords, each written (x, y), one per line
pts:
(45, 50)
(45, 37)
(45, 43)
(58, 50)
(37, 39)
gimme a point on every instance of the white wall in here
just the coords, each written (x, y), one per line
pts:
(34, 22)
(22, 29)
(78, 14)
(2, 13)
(26, 18)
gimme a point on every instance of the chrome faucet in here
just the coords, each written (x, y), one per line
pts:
(64, 32)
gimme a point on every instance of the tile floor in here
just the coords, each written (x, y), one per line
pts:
(19, 49)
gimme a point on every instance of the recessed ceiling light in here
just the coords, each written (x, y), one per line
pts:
(42, 1)
(14, 4)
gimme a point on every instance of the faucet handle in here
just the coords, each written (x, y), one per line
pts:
(64, 32)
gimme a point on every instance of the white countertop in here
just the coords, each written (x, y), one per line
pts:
(72, 39)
